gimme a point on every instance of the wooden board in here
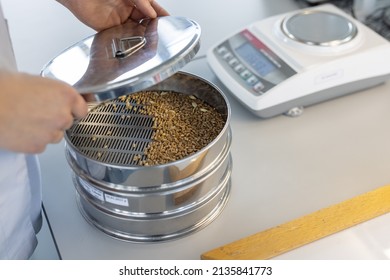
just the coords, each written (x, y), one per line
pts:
(309, 228)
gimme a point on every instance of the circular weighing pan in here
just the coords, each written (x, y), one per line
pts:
(319, 28)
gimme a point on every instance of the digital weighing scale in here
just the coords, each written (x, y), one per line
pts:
(286, 62)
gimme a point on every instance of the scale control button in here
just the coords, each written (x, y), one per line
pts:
(246, 74)
(234, 62)
(252, 80)
(228, 56)
(258, 87)
(222, 50)
(239, 68)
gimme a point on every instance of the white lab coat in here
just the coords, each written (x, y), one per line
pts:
(20, 184)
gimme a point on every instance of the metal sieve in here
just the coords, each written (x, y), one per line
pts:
(148, 203)
(114, 193)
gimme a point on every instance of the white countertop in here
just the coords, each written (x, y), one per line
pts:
(283, 168)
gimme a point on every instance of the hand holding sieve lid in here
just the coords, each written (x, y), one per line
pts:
(126, 58)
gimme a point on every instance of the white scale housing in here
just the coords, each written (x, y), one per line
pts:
(298, 59)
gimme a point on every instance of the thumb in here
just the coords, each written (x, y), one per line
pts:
(145, 7)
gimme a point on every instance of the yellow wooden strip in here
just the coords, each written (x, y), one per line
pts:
(293, 234)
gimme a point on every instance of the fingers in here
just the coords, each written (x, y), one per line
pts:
(79, 108)
(70, 101)
(145, 8)
(159, 10)
(57, 136)
(150, 8)
(68, 106)
(37, 144)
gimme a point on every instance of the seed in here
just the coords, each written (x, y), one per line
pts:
(128, 105)
(178, 130)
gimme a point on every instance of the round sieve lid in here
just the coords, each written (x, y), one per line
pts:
(126, 58)
(319, 28)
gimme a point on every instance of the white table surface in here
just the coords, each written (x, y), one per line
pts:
(283, 167)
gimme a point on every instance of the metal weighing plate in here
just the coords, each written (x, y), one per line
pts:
(319, 28)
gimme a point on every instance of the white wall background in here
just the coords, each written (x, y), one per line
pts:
(41, 29)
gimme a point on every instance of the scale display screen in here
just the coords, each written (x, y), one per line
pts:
(252, 63)
(256, 59)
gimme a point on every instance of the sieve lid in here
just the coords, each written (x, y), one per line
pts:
(126, 58)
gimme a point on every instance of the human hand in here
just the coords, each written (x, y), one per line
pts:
(103, 14)
(35, 111)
